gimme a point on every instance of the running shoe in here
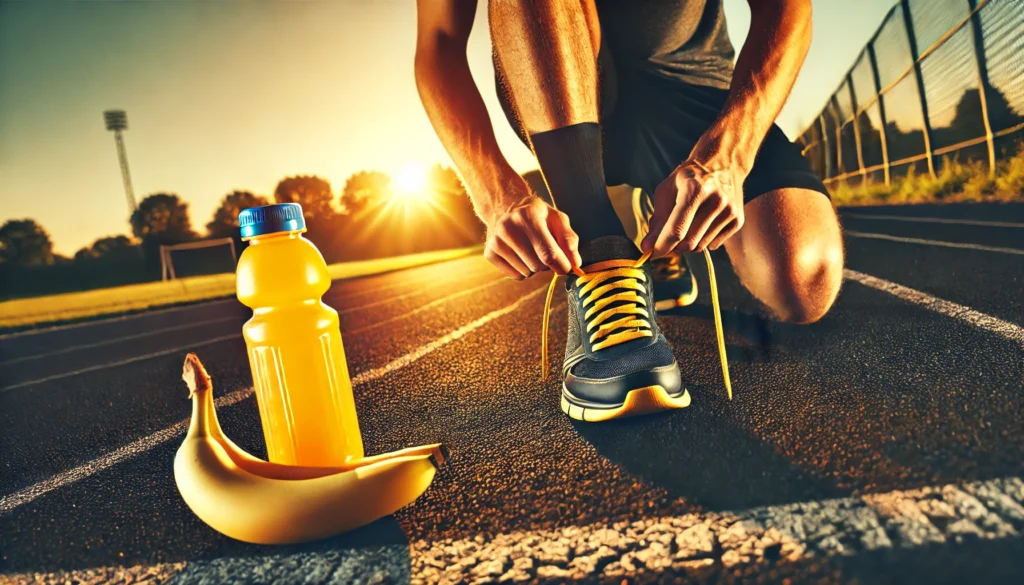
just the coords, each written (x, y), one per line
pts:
(617, 362)
(675, 284)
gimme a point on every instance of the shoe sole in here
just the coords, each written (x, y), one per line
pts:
(682, 301)
(640, 401)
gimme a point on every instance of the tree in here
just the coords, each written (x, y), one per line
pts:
(444, 180)
(110, 248)
(316, 198)
(24, 242)
(449, 191)
(311, 192)
(459, 218)
(225, 220)
(365, 189)
(162, 219)
(375, 223)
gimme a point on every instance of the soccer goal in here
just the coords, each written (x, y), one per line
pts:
(191, 262)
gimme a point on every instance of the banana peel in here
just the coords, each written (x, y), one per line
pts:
(253, 500)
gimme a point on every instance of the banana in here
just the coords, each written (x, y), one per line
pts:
(267, 510)
(197, 379)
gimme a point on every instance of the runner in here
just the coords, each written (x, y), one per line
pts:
(643, 94)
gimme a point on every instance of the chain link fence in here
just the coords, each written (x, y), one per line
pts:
(939, 77)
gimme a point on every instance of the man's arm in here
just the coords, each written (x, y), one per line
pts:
(701, 204)
(453, 102)
(525, 235)
(767, 67)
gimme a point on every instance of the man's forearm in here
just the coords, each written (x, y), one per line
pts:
(767, 67)
(459, 117)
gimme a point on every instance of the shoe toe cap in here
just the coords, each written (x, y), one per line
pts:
(608, 381)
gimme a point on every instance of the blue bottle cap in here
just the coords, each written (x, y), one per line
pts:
(270, 219)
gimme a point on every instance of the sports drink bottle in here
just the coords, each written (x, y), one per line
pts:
(294, 343)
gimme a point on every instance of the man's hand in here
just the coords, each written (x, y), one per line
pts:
(701, 205)
(695, 207)
(530, 237)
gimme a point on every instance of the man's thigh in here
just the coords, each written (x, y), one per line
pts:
(657, 121)
(789, 253)
(607, 87)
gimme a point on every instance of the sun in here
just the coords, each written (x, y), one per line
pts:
(411, 183)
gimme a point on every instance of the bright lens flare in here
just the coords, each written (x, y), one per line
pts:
(411, 183)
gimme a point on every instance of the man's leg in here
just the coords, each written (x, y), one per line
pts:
(547, 53)
(617, 362)
(789, 253)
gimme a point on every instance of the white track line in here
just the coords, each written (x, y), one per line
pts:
(421, 288)
(149, 333)
(177, 328)
(419, 280)
(104, 321)
(26, 495)
(147, 313)
(203, 304)
(933, 242)
(130, 360)
(1005, 224)
(981, 320)
(427, 306)
(443, 341)
(164, 352)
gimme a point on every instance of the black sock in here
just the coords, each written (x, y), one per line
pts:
(571, 161)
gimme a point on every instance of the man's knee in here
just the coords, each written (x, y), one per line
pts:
(807, 280)
(789, 254)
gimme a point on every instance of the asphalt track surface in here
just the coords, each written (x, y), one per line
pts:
(884, 444)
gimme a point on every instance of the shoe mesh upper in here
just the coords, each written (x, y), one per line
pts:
(655, 355)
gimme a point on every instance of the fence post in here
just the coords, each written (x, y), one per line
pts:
(163, 262)
(825, 142)
(856, 129)
(881, 111)
(840, 170)
(915, 54)
(983, 82)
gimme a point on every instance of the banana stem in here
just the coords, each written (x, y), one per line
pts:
(200, 390)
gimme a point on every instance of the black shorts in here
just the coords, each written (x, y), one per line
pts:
(650, 123)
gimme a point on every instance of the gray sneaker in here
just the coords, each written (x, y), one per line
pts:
(617, 362)
(676, 286)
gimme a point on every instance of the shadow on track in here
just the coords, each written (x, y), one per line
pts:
(379, 551)
(704, 459)
(760, 333)
(699, 454)
(132, 514)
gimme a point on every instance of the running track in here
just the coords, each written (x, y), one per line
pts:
(883, 444)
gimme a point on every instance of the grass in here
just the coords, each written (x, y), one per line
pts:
(135, 297)
(955, 182)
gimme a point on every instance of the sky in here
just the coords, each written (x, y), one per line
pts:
(238, 95)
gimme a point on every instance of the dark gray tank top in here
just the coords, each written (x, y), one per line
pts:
(684, 39)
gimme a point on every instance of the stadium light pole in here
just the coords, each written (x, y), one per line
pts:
(117, 120)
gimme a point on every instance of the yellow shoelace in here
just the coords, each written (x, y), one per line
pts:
(630, 282)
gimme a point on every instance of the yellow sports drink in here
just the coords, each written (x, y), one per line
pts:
(298, 363)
